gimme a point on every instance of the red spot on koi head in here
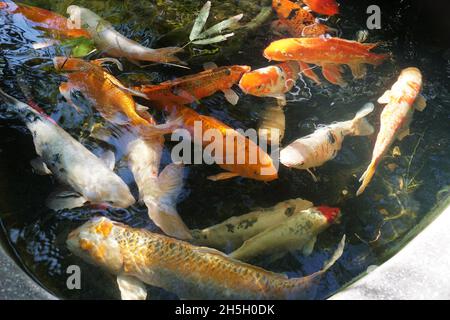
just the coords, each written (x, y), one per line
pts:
(330, 213)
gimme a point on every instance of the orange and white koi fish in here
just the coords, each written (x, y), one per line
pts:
(233, 232)
(55, 24)
(297, 232)
(138, 257)
(189, 89)
(325, 7)
(396, 117)
(329, 53)
(272, 81)
(108, 40)
(296, 20)
(89, 178)
(257, 166)
(324, 144)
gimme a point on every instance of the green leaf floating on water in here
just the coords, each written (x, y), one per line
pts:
(213, 34)
(80, 47)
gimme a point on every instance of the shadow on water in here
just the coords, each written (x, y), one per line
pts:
(405, 189)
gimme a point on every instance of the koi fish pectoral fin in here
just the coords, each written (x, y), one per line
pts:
(403, 134)
(421, 103)
(231, 96)
(131, 288)
(109, 159)
(223, 176)
(312, 175)
(66, 92)
(333, 73)
(65, 200)
(309, 72)
(40, 167)
(209, 66)
(359, 70)
(309, 247)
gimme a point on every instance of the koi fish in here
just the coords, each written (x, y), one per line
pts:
(396, 117)
(71, 163)
(139, 257)
(108, 40)
(248, 159)
(329, 53)
(297, 232)
(52, 22)
(296, 20)
(189, 89)
(323, 145)
(325, 7)
(233, 232)
(272, 81)
(109, 96)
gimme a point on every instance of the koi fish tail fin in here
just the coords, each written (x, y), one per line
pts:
(306, 287)
(162, 203)
(164, 55)
(367, 177)
(360, 125)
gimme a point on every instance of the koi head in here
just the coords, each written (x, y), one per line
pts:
(325, 7)
(264, 82)
(296, 155)
(331, 214)
(94, 241)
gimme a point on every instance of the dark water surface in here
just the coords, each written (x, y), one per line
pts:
(405, 189)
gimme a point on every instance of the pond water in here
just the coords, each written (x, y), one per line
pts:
(407, 185)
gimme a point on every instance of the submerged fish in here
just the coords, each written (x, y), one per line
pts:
(231, 233)
(297, 232)
(138, 256)
(272, 119)
(158, 190)
(49, 21)
(298, 21)
(323, 145)
(71, 163)
(189, 89)
(247, 159)
(325, 7)
(106, 93)
(396, 117)
(272, 81)
(108, 40)
(329, 53)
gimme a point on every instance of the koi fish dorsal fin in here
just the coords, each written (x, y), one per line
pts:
(109, 159)
(131, 288)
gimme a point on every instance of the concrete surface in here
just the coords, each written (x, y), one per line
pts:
(15, 284)
(420, 271)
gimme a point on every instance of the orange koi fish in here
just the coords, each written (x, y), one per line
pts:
(186, 90)
(329, 53)
(262, 168)
(296, 20)
(108, 95)
(272, 81)
(50, 21)
(138, 257)
(396, 117)
(325, 7)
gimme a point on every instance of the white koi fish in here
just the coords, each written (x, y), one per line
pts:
(231, 234)
(396, 117)
(90, 179)
(138, 257)
(323, 145)
(110, 41)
